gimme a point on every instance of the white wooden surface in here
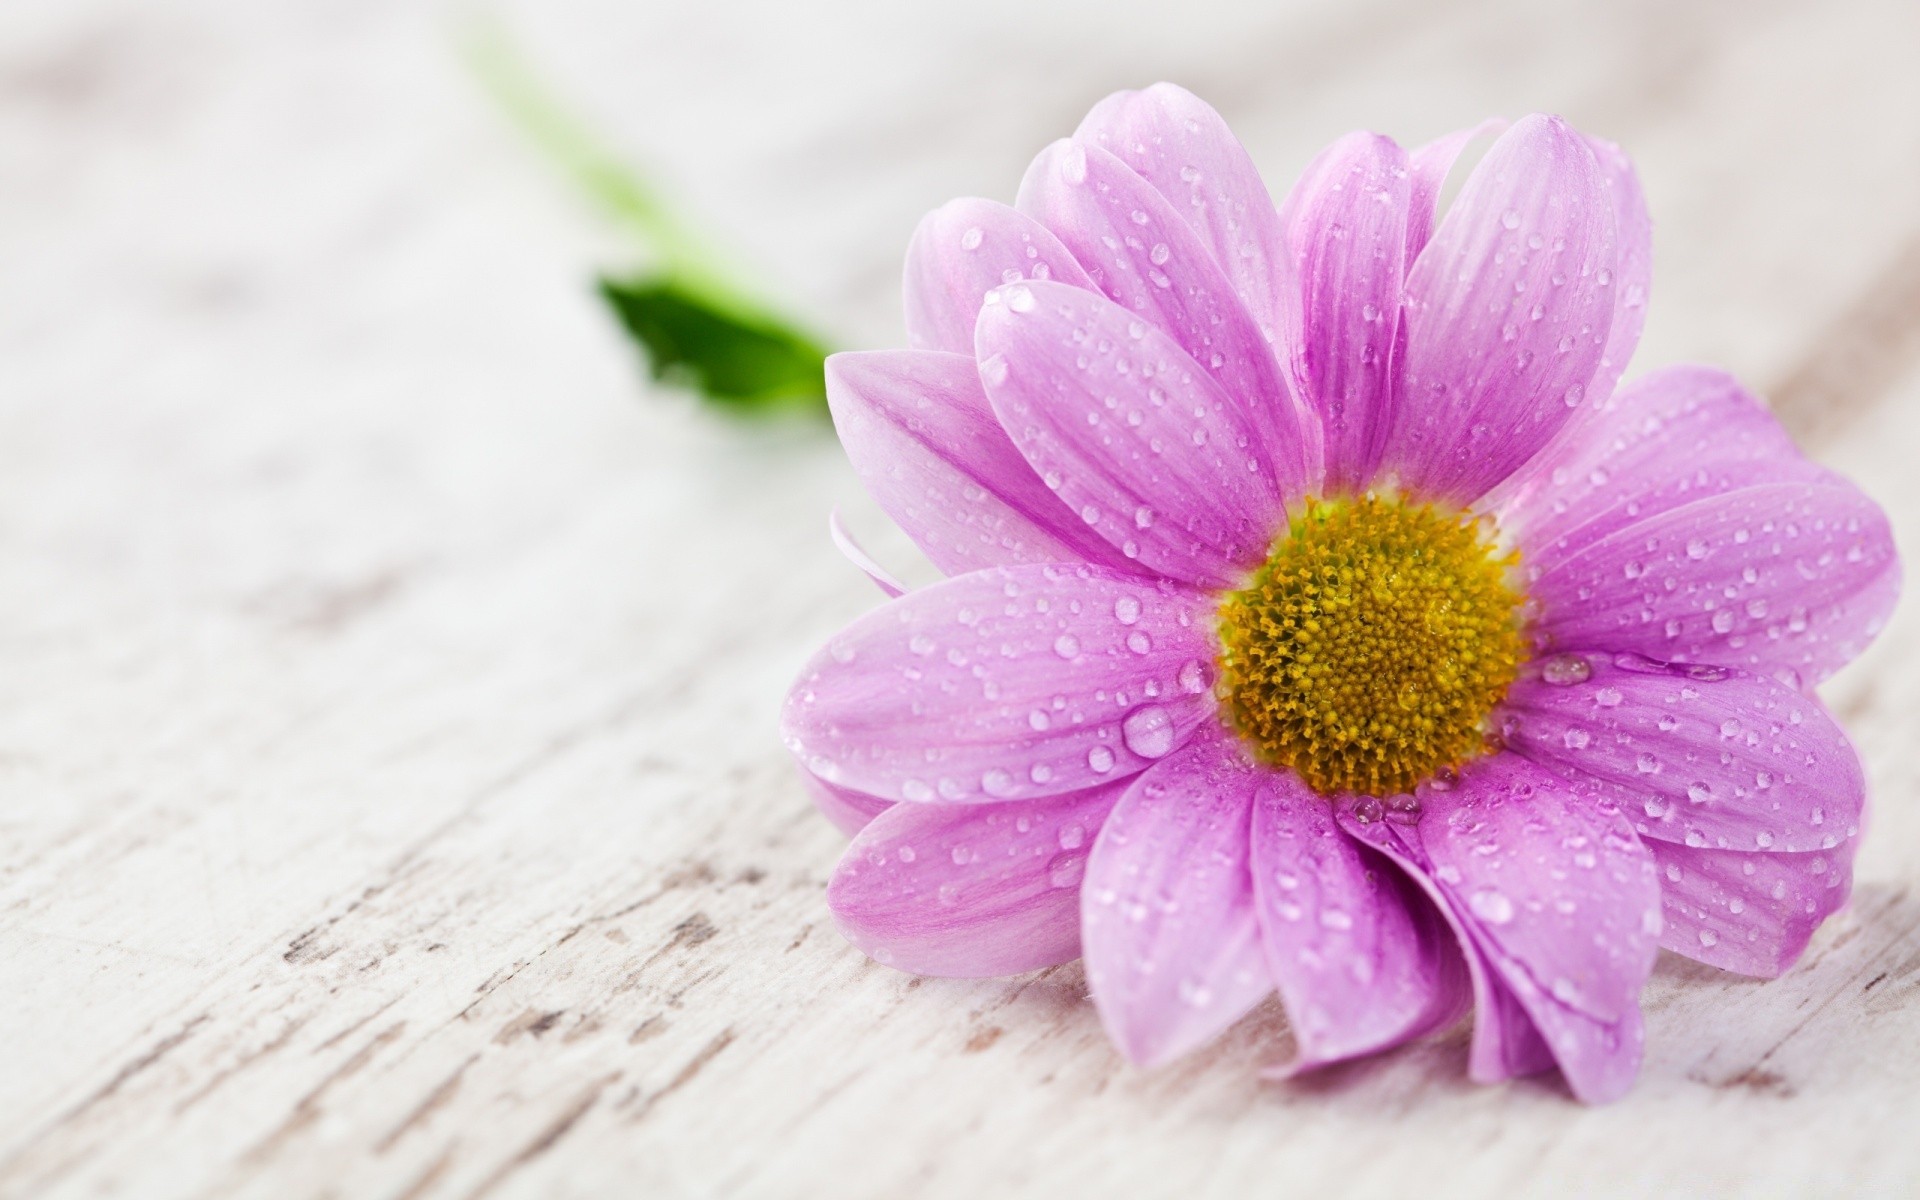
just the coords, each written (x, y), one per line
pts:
(389, 797)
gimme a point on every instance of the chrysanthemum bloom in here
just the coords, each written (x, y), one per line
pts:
(1322, 618)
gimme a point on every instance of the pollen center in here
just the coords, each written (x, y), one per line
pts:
(1369, 649)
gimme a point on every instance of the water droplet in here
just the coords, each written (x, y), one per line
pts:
(915, 789)
(1148, 731)
(1100, 759)
(1491, 906)
(1126, 610)
(970, 240)
(1563, 669)
(1067, 646)
(1067, 870)
(1193, 677)
(1709, 938)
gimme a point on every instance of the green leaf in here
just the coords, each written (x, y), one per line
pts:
(744, 360)
(698, 326)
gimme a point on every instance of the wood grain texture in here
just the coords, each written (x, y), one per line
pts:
(390, 804)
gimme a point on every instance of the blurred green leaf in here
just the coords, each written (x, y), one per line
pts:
(698, 327)
(742, 360)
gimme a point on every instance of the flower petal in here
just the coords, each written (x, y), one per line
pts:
(1506, 318)
(1666, 439)
(1428, 167)
(850, 811)
(963, 250)
(1748, 911)
(1144, 445)
(1633, 268)
(919, 432)
(970, 890)
(1795, 577)
(1551, 886)
(855, 553)
(1707, 756)
(1179, 144)
(1005, 684)
(1144, 256)
(1171, 943)
(1362, 960)
(1346, 236)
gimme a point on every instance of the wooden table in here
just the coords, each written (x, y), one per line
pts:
(390, 803)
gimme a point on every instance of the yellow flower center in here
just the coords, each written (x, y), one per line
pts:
(1369, 649)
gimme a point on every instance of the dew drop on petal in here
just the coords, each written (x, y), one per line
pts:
(1491, 906)
(1148, 731)
(1563, 669)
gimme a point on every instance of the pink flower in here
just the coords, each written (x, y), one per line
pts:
(1322, 618)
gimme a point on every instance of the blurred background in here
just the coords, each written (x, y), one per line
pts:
(390, 801)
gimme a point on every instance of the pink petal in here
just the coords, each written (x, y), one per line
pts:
(1506, 318)
(1179, 144)
(1167, 923)
(919, 432)
(1551, 886)
(1668, 438)
(1006, 684)
(1784, 577)
(1428, 168)
(963, 250)
(1346, 234)
(970, 890)
(1748, 911)
(1633, 269)
(1138, 440)
(1143, 255)
(856, 554)
(1702, 755)
(1362, 960)
(850, 811)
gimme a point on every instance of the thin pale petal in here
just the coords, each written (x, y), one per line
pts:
(856, 554)
(1362, 960)
(1668, 438)
(850, 811)
(963, 250)
(1428, 167)
(1706, 756)
(1346, 236)
(1783, 578)
(1552, 886)
(1171, 943)
(1142, 444)
(1506, 315)
(919, 431)
(1179, 144)
(970, 890)
(1143, 255)
(1005, 684)
(1633, 269)
(1748, 911)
